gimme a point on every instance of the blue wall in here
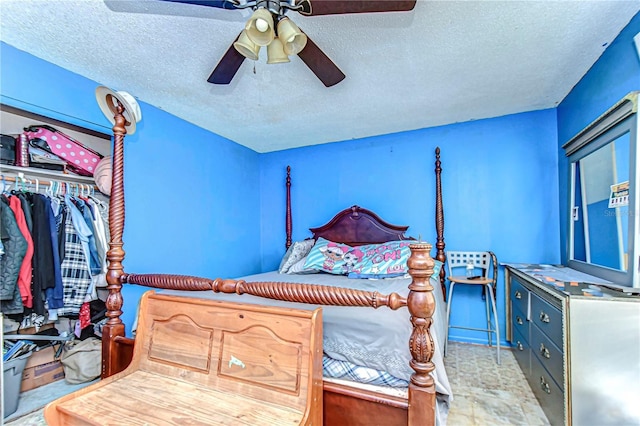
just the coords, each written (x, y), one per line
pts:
(616, 73)
(500, 189)
(192, 203)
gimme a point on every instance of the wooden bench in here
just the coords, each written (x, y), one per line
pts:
(205, 362)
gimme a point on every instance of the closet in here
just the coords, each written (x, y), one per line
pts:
(61, 245)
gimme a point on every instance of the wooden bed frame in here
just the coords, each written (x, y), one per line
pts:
(343, 405)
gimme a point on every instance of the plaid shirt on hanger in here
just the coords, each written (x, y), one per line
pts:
(76, 278)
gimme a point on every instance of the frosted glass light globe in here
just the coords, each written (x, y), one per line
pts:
(262, 25)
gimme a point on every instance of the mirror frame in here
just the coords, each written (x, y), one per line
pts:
(619, 119)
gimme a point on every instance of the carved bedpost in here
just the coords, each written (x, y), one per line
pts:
(288, 223)
(440, 254)
(422, 305)
(114, 326)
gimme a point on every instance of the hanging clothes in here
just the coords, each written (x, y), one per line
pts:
(85, 210)
(26, 209)
(55, 295)
(103, 210)
(53, 254)
(15, 248)
(76, 277)
(102, 243)
(26, 269)
(43, 259)
(57, 206)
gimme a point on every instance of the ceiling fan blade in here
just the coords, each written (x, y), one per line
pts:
(227, 67)
(333, 7)
(320, 64)
(220, 4)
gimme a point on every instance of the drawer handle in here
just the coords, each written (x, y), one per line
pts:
(518, 295)
(520, 346)
(519, 320)
(544, 385)
(544, 317)
(544, 351)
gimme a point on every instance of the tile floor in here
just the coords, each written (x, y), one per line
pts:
(484, 393)
(29, 412)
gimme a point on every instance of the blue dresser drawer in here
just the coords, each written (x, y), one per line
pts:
(519, 323)
(521, 352)
(548, 354)
(549, 394)
(519, 296)
(547, 318)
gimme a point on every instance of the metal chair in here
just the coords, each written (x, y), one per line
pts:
(480, 264)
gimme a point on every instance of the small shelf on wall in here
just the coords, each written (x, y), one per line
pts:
(14, 120)
(34, 172)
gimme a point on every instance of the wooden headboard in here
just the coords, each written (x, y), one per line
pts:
(356, 226)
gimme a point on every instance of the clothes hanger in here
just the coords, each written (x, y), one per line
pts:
(59, 189)
(6, 187)
(49, 191)
(20, 184)
(94, 198)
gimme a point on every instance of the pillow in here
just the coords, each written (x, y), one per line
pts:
(296, 251)
(436, 269)
(328, 256)
(356, 275)
(298, 268)
(381, 259)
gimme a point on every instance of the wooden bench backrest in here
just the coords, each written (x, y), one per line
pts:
(261, 352)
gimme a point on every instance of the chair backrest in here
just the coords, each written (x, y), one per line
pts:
(459, 259)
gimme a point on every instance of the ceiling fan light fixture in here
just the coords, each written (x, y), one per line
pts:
(292, 38)
(276, 53)
(246, 47)
(259, 27)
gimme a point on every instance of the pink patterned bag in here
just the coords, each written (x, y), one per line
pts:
(80, 159)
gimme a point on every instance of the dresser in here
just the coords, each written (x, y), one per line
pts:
(577, 342)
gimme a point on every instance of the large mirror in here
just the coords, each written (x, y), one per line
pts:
(603, 206)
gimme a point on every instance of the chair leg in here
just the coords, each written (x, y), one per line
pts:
(446, 340)
(486, 308)
(495, 318)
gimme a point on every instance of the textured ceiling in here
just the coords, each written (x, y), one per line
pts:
(443, 62)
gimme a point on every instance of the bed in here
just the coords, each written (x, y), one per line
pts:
(401, 314)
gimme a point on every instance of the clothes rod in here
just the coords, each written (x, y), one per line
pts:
(33, 180)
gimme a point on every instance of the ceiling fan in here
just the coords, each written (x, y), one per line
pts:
(269, 26)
